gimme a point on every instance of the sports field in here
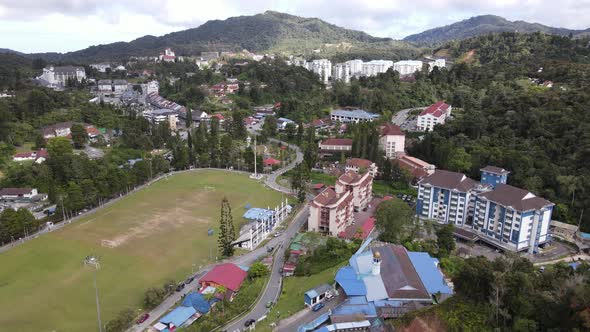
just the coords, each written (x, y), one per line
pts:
(157, 233)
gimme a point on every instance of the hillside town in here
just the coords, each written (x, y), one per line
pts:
(211, 187)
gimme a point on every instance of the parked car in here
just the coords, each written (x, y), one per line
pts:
(270, 249)
(249, 322)
(318, 306)
(180, 287)
(277, 234)
(269, 304)
(189, 279)
(142, 318)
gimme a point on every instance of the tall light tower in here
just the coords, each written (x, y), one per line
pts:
(94, 262)
(255, 173)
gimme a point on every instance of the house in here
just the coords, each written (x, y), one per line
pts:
(386, 280)
(160, 102)
(175, 319)
(101, 67)
(219, 117)
(167, 56)
(227, 275)
(331, 212)
(105, 86)
(12, 194)
(359, 185)
(264, 110)
(120, 86)
(316, 295)
(392, 140)
(63, 129)
(435, 114)
(359, 165)
(322, 124)
(416, 167)
(283, 122)
(504, 216)
(355, 116)
(250, 121)
(197, 117)
(57, 77)
(269, 162)
(335, 145)
(37, 156)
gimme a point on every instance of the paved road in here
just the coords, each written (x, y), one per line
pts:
(273, 288)
(271, 292)
(290, 324)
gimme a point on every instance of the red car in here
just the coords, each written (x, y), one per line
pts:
(143, 318)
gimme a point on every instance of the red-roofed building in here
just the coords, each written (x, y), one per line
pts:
(434, 114)
(36, 156)
(271, 162)
(168, 55)
(219, 117)
(392, 140)
(227, 275)
(335, 145)
(359, 165)
(330, 212)
(359, 185)
(417, 167)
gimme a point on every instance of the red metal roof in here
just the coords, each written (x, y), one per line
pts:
(227, 274)
(337, 141)
(271, 162)
(389, 129)
(437, 109)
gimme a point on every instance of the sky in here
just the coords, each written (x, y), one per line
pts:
(67, 25)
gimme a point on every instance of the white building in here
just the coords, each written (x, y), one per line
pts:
(263, 222)
(58, 76)
(356, 116)
(502, 215)
(359, 165)
(101, 67)
(105, 86)
(322, 67)
(374, 67)
(167, 56)
(150, 87)
(440, 63)
(12, 194)
(392, 140)
(342, 72)
(160, 115)
(407, 67)
(120, 86)
(436, 113)
(356, 67)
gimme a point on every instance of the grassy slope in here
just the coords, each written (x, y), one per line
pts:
(44, 285)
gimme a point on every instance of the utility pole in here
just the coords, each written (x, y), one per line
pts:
(97, 302)
(255, 173)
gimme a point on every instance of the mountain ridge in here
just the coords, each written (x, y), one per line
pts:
(485, 24)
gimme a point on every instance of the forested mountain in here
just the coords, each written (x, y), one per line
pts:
(270, 31)
(13, 68)
(482, 25)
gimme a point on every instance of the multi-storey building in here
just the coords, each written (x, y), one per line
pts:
(375, 67)
(359, 185)
(335, 145)
(352, 116)
(342, 72)
(356, 67)
(407, 67)
(502, 215)
(434, 114)
(359, 165)
(59, 76)
(331, 213)
(440, 63)
(392, 140)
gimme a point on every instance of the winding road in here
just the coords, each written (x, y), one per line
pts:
(273, 287)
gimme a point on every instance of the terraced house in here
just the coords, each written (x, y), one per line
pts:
(490, 210)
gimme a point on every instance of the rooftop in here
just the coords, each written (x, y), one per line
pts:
(450, 180)
(361, 114)
(495, 170)
(437, 109)
(15, 191)
(227, 274)
(337, 141)
(327, 197)
(519, 199)
(389, 129)
(358, 162)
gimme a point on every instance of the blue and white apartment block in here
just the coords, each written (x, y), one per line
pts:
(502, 215)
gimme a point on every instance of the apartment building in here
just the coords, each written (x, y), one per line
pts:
(331, 213)
(359, 185)
(392, 140)
(434, 114)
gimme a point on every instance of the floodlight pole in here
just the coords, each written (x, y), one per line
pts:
(97, 302)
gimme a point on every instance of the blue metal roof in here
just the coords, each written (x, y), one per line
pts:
(430, 275)
(316, 291)
(354, 307)
(355, 113)
(178, 316)
(347, 279)
(197, 301)
(315, 323)
(258, 214)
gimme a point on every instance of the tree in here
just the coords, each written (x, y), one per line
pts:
(222, 290)
(445, 240)
(459, 160)
(226, 230)
(290, 130)
(58, 147)
(395, 220)
(257, 270)
(269, 127)
(153, 297)
(79, 135)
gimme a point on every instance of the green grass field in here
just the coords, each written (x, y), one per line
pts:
(160, 232)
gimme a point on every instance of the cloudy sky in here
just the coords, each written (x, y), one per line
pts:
(68, 25)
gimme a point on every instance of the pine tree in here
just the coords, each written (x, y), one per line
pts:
(227, 233)
(191, 152)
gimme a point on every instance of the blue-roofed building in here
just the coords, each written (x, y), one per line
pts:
(261, 223)
(427, 268)
(177, 317)
(316, 295)
(355, 116)
(387, 281)
(198, 302)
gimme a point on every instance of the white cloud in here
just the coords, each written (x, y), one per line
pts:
(66, 25)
